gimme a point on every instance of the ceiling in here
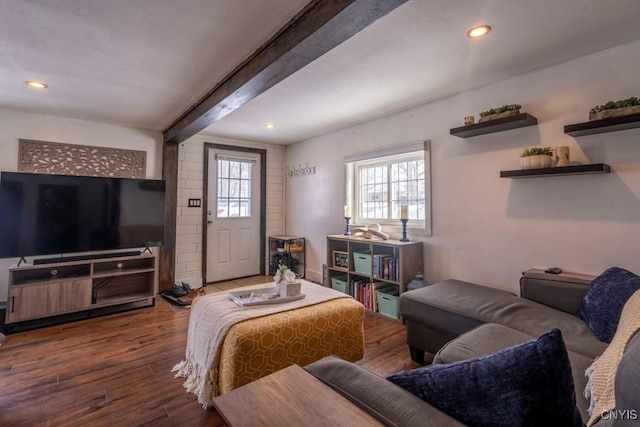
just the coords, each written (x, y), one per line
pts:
(142, 63)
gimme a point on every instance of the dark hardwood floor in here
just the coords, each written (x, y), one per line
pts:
(116, 370)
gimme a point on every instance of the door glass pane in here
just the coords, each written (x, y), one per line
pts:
(234, 189)
(223, 187)
(223, 168)
(234, 169)
(245, 172)
(245, 188)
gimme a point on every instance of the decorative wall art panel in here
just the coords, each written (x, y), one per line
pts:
(70, 159)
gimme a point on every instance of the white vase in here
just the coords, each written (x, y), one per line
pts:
(536, 162)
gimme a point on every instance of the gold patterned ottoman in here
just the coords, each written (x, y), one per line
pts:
(258, 347)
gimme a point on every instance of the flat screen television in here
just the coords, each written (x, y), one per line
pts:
(60, 214)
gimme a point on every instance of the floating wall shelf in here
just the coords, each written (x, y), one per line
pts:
(611, 124)
(496, 125)
(561, 170)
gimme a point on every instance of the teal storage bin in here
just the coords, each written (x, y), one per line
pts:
(362, 263)
(387, 297)
(339, 283)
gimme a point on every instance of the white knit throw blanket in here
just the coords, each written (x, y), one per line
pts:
(211, 317)
(600, 388)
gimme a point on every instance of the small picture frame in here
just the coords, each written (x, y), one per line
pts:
(341, 260)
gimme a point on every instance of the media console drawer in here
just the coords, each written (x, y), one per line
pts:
(37, 300)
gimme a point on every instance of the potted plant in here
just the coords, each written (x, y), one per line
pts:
(536, 158)
(497, 113)
(624, 107)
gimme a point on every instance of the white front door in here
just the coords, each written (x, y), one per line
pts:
(233, 214)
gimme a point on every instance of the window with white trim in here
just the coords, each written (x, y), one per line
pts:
(234, 187)
(382, 183)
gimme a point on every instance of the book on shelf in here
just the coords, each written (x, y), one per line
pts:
(374, 297)
(386, 267)
(364, 291)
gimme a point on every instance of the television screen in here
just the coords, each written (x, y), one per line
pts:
(59, 214)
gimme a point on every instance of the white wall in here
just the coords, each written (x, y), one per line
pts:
(487, 229)
(190, 185)
(18, 125)
(15, 125)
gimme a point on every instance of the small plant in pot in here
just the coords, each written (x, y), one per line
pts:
(499, 112)
(623, 107)
(536, 158)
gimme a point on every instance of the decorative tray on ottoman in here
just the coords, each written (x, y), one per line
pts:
(262, 296)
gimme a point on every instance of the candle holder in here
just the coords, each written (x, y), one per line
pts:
(404, 230)
(347, 232)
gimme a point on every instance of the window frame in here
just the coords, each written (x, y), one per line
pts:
(228, 199)
(386, 158)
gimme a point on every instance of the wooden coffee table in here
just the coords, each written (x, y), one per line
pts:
(291, 396)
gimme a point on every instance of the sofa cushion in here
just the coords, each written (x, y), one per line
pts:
(446, 303)
(563, 291)
(528, 384)
(489, 338)
(390, 404)
(481, 341)
(456, 307)
(603, 303)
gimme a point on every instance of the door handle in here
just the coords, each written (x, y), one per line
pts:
(209, 222)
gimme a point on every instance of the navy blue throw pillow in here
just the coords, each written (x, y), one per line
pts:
(602, 305)
(526, 385)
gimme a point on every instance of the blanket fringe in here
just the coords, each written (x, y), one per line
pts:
(182, 369)
(588, 390)
(202, 388)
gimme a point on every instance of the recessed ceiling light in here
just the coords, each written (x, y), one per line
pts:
(478, 31)
(270, 125)
(36, 84)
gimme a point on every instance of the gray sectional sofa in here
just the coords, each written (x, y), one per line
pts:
(457, 320)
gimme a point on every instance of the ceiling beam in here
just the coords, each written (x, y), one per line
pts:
(314, 31)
